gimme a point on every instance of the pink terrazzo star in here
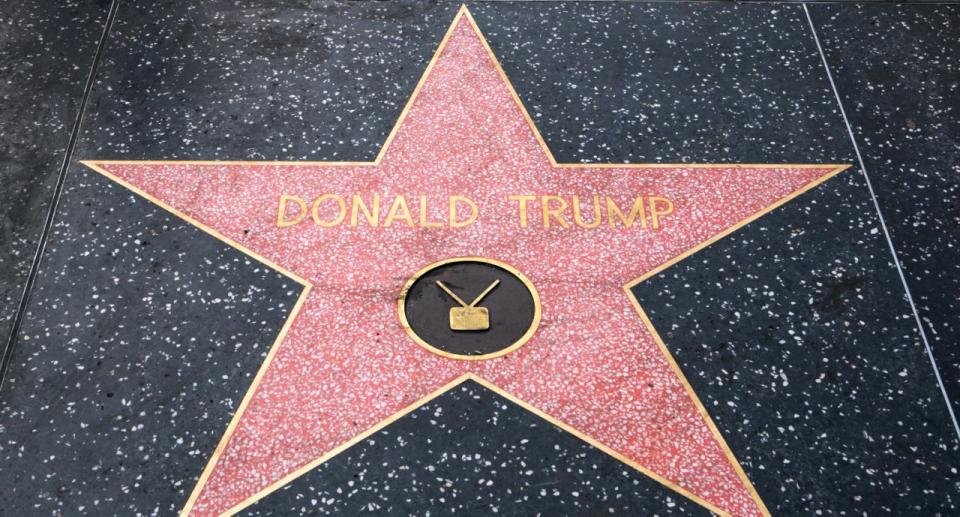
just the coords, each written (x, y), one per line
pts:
(345, 365)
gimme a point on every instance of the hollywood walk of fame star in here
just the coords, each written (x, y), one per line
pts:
(344, 366)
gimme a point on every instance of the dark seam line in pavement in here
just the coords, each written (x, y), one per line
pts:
(883, 224)
(57, 192)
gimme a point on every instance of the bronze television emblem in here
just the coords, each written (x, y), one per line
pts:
(469, 316)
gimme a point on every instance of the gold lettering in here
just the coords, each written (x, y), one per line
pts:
(656, 214)
(330, 210)
(282, 221)
(556, 213)
(522, 204)
(472, 218)
(578, 216)
(399, 206)
(371, 215)
(614, 212)
(341, 210)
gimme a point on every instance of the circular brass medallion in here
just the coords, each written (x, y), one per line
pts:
(469, 308)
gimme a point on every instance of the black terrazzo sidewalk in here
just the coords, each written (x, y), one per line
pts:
(142, 333)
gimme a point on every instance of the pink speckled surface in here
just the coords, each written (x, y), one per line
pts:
(347, 364)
